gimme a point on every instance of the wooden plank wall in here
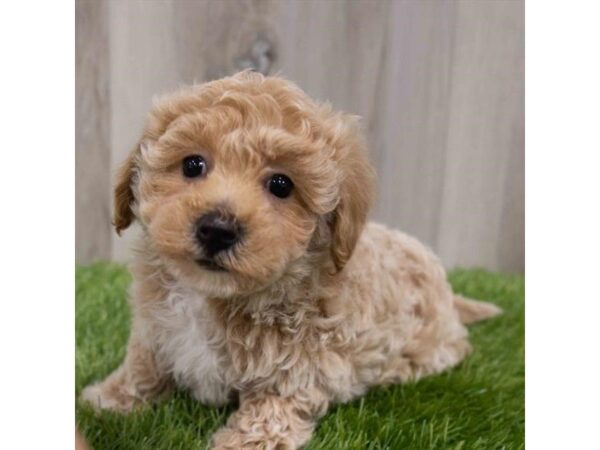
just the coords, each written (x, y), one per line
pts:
(439, 84)
(92, 133)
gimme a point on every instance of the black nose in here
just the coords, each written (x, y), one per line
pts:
(217, 231)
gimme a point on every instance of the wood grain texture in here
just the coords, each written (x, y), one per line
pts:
(485, 136)
(439, 85)
(92, 135)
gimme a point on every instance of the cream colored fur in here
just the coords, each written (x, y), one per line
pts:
(315, 307)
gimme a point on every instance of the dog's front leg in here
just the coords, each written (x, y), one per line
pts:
(269, 422)
(136, 382)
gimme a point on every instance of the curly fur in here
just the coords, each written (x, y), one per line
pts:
(316, 305)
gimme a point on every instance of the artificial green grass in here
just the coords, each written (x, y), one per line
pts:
(479, 405)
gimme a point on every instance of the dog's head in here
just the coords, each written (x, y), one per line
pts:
(242, 181)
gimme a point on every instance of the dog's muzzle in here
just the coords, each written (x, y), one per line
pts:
(217, 231)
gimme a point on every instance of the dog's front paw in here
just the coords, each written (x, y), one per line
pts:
(108, 396)
(231, 439)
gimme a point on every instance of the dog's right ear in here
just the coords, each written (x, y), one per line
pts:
(124, 198)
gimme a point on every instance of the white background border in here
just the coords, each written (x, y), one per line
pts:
(562, 224)
(37, 224)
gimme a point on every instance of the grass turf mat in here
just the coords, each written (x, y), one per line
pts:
(479, 405)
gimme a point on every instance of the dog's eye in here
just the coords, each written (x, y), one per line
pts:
(194, 166)
(280, 186)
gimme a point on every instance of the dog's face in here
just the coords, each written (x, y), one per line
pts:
(242, 181)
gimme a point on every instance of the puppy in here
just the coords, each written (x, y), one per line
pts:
(257, 277)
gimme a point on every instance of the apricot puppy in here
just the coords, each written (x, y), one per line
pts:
(257, 275)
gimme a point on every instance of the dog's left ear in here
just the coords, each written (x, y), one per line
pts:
(123, 194)
(356, 194)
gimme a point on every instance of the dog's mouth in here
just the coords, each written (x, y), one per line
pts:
(211, 265)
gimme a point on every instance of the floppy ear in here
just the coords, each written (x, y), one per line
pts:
(124, 198)
(350, 215)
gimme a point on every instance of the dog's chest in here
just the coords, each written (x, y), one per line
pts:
(189, 345)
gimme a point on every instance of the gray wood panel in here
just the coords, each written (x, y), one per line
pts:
(92, 133)
(486, 119)
(439, 85)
